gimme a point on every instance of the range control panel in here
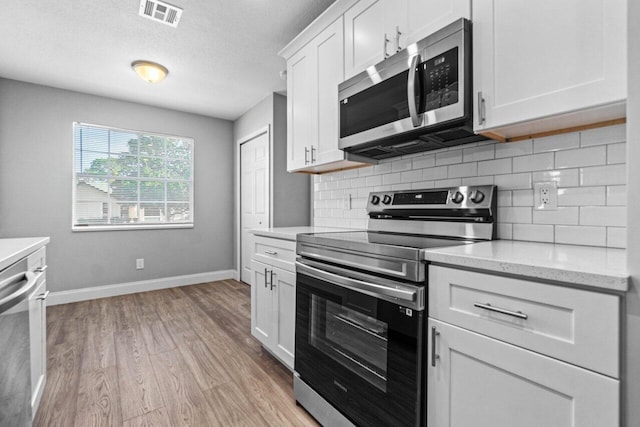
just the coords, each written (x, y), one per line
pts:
(465, 197)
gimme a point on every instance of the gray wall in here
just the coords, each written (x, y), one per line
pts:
(36, 149)
(632, 376)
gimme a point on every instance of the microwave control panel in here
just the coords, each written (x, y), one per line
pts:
(441, 80)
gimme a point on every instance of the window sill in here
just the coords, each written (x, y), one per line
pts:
(129, 227)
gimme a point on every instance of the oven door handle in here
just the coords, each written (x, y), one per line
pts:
(21, 293)
(356, 285)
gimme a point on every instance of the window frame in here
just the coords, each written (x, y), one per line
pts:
(133, 226)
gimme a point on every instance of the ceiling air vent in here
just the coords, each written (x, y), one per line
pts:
(160, 11)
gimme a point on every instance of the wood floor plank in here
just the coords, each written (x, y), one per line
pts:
(179, 357)
(98, 402)
(155, 418)
(139, 392)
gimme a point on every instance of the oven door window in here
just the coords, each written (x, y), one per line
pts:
(356, 341)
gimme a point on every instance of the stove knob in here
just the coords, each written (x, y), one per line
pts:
(477, 196)
(457, 197)
(375, 200)
(386, 199)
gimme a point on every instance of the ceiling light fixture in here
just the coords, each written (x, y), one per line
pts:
(150, 71)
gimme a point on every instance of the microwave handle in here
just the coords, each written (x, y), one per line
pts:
(411, 92)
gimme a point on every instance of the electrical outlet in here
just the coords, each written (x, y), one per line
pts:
(346, 201)
(545, 196)
(139, 263)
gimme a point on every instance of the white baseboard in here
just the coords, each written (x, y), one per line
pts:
(65, 297)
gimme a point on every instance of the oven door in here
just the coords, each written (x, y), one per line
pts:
(361, 352)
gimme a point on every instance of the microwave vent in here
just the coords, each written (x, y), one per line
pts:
(160, 11)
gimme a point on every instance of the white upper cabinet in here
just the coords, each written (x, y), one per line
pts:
(548, 58)
(376, 29)
(313, 74)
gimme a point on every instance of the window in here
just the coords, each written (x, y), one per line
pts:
(127, 179)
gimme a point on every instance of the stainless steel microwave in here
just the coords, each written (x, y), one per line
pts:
(419, 99)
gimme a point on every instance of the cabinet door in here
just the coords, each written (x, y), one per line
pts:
(301, 105)
(545, 58)
(284, 327)
(427, 16)
(38, 342)
(479, 381)
(328, 47)
(366, 27)
(261, 303)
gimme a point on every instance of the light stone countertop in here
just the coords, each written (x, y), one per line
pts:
(12, 250)
(290, 233)
(598, 267)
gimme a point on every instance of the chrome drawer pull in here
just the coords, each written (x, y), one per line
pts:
(41, 269)
(43, 296)
(434, 356)
(271, 252)
(518, 314)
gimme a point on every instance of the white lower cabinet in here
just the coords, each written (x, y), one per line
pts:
(38, 328)
(479, 381)
(273, 308)
(505, 351)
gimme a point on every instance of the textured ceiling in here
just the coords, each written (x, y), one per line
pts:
(222, 58)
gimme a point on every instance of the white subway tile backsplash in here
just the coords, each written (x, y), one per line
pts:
(495, 167)
(603, 175)
(401, 165)
(478, 180)
(588, 167)
(603, 135)
(482, 152)
(593, 236)
(516, 181)
(424, 161)
(463, 170)
(533, 232)
(563, 215)
(581, 196)
(534, 162)
(431, 174)
(591, 156)
(505, 231)
(373, 180)
(615, 216)
(522, 198)
(411, 176)
(563, 141)
(616, 153)
(448, 157)
(504, 199)
(564, 178)
(616, 237)
(513, 149)
(617, 195)
(391, 178)
(520, 215)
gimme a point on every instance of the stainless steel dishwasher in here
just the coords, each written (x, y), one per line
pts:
(16, 284)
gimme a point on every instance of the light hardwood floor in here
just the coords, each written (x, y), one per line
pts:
(174, 357)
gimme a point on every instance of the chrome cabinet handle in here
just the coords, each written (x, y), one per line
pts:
(398, 34)
(271, 276)
(271, 252)
(43, 296)
(384, 46)
(265, 277)
(313, 156)
(481, 112)
(41, 269)
(411, 92)
(306, 155)
(518, 314)
(434, 356)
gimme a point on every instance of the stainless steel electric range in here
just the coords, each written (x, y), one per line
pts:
(361, 304)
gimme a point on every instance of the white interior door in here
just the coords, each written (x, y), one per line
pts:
(254, 194)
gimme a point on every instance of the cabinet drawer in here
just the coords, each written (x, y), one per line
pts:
(276, 252)
(38, 259)
(574, 325)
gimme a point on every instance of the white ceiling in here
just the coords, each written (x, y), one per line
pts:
(222, 57)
